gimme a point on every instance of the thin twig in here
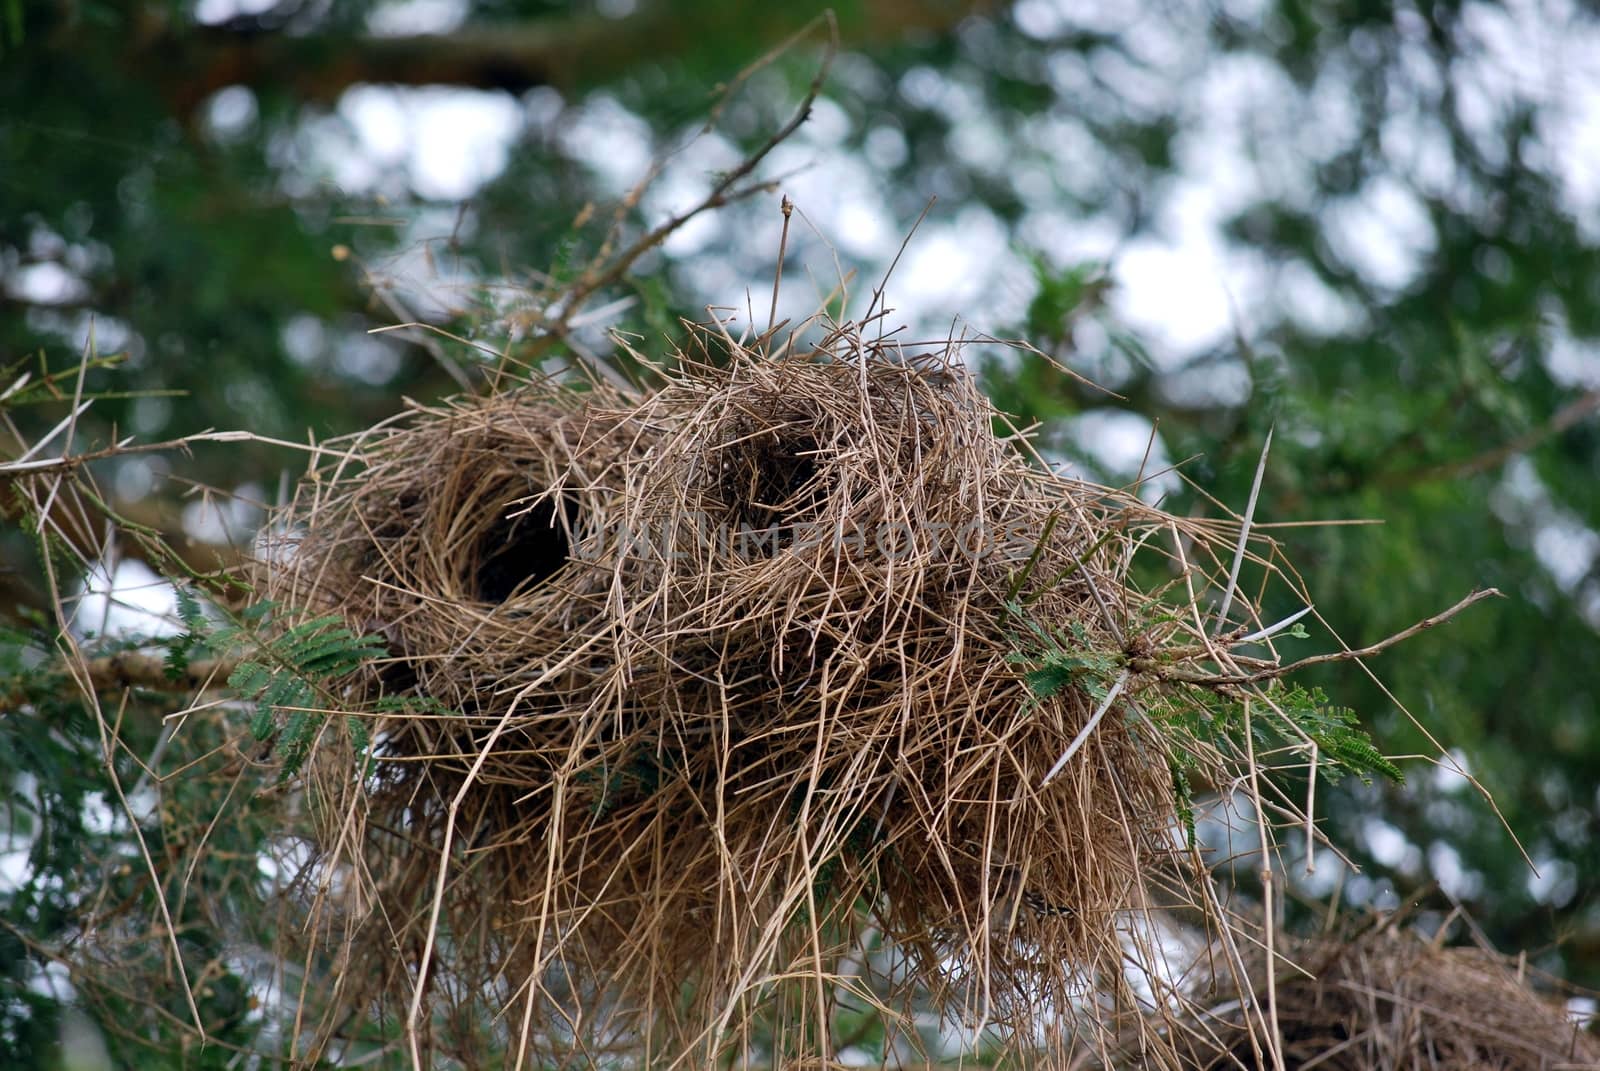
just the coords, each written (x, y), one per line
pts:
(410, 320)
(108, 738)
(144, 670)
(1176, 673)
(1564, 418)
(725, 191)
(787, 208)
(12, 470)
(1271, 630)
(875, 305)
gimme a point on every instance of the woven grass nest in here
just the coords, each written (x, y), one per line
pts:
(1390, 1000)
(708, 712)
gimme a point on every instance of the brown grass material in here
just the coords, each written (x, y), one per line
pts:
(707, 715)
(1389, 1000)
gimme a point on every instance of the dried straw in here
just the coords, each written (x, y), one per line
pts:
(1389, 1000)
(707, 715)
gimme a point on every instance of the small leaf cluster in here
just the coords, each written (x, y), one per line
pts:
(1213, 718)
(1343, 745)
(290, 672)
(184, 647)
(1057, 660)
(1197, 718)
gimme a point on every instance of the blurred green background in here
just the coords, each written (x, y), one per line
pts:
(1373, 227)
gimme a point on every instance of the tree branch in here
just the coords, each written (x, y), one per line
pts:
(1565, 417)
(145, 670)
(1168, 672)
(725, 191)
(569, 53)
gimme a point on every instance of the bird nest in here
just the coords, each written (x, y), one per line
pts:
(711, 710)
(1389, 1000)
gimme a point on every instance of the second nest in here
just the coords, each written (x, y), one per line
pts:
(698, 691)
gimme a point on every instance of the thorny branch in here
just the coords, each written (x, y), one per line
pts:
(1167, 671)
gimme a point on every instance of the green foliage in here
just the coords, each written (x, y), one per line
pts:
(1056, 660)
(289, 674)
(1343, 744)
(1178, 767)
(1194, 718)
(181, 649)
(289, 677)
(1286, 717)
(1062, 296)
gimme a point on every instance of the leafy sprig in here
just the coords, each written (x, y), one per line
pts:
(289, 673)
(1197, 718)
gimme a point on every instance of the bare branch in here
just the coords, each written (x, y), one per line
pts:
(1568, 415)
(725, 192)
(1168, 672)
(567, 53)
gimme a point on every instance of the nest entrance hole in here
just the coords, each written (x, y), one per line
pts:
(776, 482)
(524, 547)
